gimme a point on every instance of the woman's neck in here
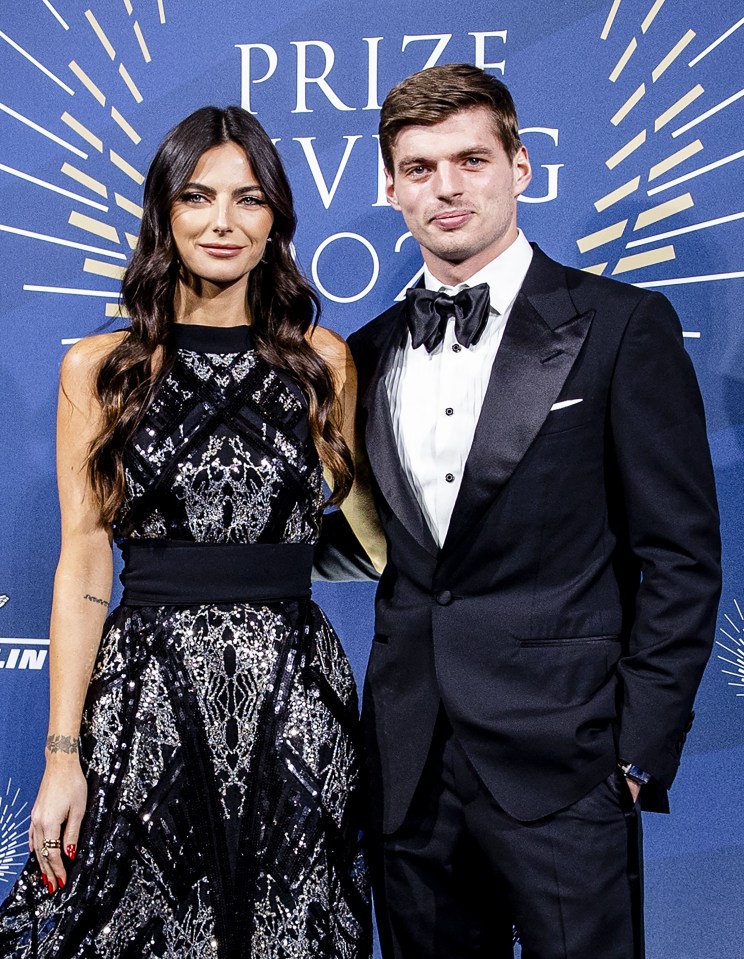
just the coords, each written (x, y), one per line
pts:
(212, 306)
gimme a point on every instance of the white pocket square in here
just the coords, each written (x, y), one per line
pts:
(564, 403)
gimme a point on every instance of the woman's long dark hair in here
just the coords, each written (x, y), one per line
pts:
(282, 304)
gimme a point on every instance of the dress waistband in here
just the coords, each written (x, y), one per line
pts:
(171, 573)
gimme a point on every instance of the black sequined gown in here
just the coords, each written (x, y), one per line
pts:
(219, 738)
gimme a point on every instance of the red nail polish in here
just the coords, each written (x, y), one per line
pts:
(71, 851)
(61, 883)
(44, 878)
(50, 887)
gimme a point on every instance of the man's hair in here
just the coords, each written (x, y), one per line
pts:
(430, 96)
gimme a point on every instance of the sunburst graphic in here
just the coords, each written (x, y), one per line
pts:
(652, 119)
(14, 820)
(99, 163)
(4, 598)
(732, 645)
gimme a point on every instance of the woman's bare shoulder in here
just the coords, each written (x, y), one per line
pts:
(83, 360)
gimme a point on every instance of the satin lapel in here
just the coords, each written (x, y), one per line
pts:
(541, 341)
(382, 449)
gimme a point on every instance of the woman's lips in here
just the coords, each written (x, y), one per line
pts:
(222, 252)
(453, 220)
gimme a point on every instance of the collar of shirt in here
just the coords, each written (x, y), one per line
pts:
(504, 275)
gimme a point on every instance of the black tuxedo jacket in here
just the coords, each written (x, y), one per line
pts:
(566, 620)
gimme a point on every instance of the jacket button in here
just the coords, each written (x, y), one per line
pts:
(444, 598)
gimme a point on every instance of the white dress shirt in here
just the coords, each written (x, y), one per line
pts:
(436, 398)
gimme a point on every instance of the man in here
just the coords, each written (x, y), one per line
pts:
(543, 478)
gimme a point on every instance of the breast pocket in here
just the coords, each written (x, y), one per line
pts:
(568, 414)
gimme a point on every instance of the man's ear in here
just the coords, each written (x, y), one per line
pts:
(390, 191)
(522, 169)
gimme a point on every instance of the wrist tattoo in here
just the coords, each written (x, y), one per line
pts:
(95, 599)
(63, 744)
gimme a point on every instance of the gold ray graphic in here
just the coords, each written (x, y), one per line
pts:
(663, 210)
(629, 104)
(83, 132)
(104, 269)
(663, 166)
(669, 59)
(42, 130)
(639, 261)
(621, 63)
(598, 269)
(715, 43)
(141, 41)
(101, 34)
(619, 194)
(90, 225)
(127, 168)
(696, 173)
(129, 7)
(131, 240)
(624, 152)
(95, 185)
(709, 113)
(125, 126)
(651, 15)
(51, 9)
(610, 19)
(128, 205)
(35, 62)
(126, 77)
(116, 310)
(692, 228)
(606, 235)
(89, 85)
(161, 11)
(678, 107)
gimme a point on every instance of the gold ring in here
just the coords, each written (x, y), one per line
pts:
(50, 844)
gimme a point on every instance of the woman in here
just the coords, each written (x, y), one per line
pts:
(208, 804)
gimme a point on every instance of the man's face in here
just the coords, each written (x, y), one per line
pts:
(457, 190)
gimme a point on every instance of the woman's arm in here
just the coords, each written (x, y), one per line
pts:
(82, 590)
(358, 507)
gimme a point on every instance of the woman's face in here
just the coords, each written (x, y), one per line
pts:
(221, 219)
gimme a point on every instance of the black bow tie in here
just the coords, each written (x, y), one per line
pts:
(428, 312)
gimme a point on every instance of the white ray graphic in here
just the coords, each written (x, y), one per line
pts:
(731, 641)
(14, 819)
(39, 66)
(55, 13)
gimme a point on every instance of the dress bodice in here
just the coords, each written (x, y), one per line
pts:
(224, 453)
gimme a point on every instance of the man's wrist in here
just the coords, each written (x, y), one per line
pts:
(634, 773)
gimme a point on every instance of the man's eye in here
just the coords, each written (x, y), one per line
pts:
(474, 161)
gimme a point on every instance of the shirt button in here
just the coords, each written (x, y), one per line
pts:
(444, 598)
(456, 347)
(449, 411)
(450, 478)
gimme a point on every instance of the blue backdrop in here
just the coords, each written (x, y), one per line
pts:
(632, 112)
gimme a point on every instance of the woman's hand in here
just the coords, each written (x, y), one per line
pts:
(57, 814)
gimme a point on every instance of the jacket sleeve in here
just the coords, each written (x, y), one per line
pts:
(668, 494)
(339, 556)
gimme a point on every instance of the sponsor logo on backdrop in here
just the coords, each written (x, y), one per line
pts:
(21, 653)
(15, 816)
(731, 643)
